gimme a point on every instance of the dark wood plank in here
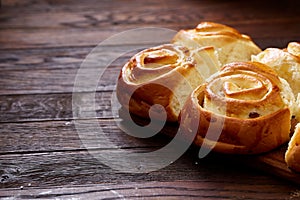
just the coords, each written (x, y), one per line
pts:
(48, 58)
(43, 107)
(63, 136)
(273, 162)
(79, 168)
(68, 57)
(96, 14)
(93, 23)
(54, 70)
(42, 38)
(45, 81)
(155, 190)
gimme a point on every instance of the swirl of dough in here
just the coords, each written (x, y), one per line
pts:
(286, 63)
(246, 90)
(163, 75)
(248, 99)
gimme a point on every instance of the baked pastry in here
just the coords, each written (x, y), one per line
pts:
(230, 45)
(243, 109)
(164, 75)
(294, 48)
(286, 62)
(292, 155)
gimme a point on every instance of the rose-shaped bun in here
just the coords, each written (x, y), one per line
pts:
(245, 109)
(286, 62)
(230, 45)
(163, 75)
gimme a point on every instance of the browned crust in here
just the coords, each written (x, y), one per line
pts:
(143, 98)
(212, 28)
(139, 97)
(292, 155)
(238, 136)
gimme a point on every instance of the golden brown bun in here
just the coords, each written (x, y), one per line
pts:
(230, 45)
(292, 155)
(244, 104)
(294, 48)
(286, 63)
(163, 75)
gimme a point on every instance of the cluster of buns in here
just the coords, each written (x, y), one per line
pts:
(164, 75)
(219, 83)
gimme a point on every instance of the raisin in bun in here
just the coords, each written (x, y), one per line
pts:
(230, 45)
(164, 75)
(244, 109)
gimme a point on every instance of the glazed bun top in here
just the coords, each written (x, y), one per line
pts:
(230, 45)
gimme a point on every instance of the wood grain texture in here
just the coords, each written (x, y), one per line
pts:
(86, 25)
(273, 162)
(80, 168)
(64, 57)
(42, 46)
(47, 71)
(45, 107)
(62, 135)
(154, 190)
(45, 81)
(48, 58)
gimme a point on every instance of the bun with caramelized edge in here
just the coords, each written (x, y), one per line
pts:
(164, 75)
(286, 62)
(231, 46)
(246, 103)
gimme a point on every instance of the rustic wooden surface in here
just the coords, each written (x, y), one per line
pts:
(42, 45)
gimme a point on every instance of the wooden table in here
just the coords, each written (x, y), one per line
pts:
(42, 46)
